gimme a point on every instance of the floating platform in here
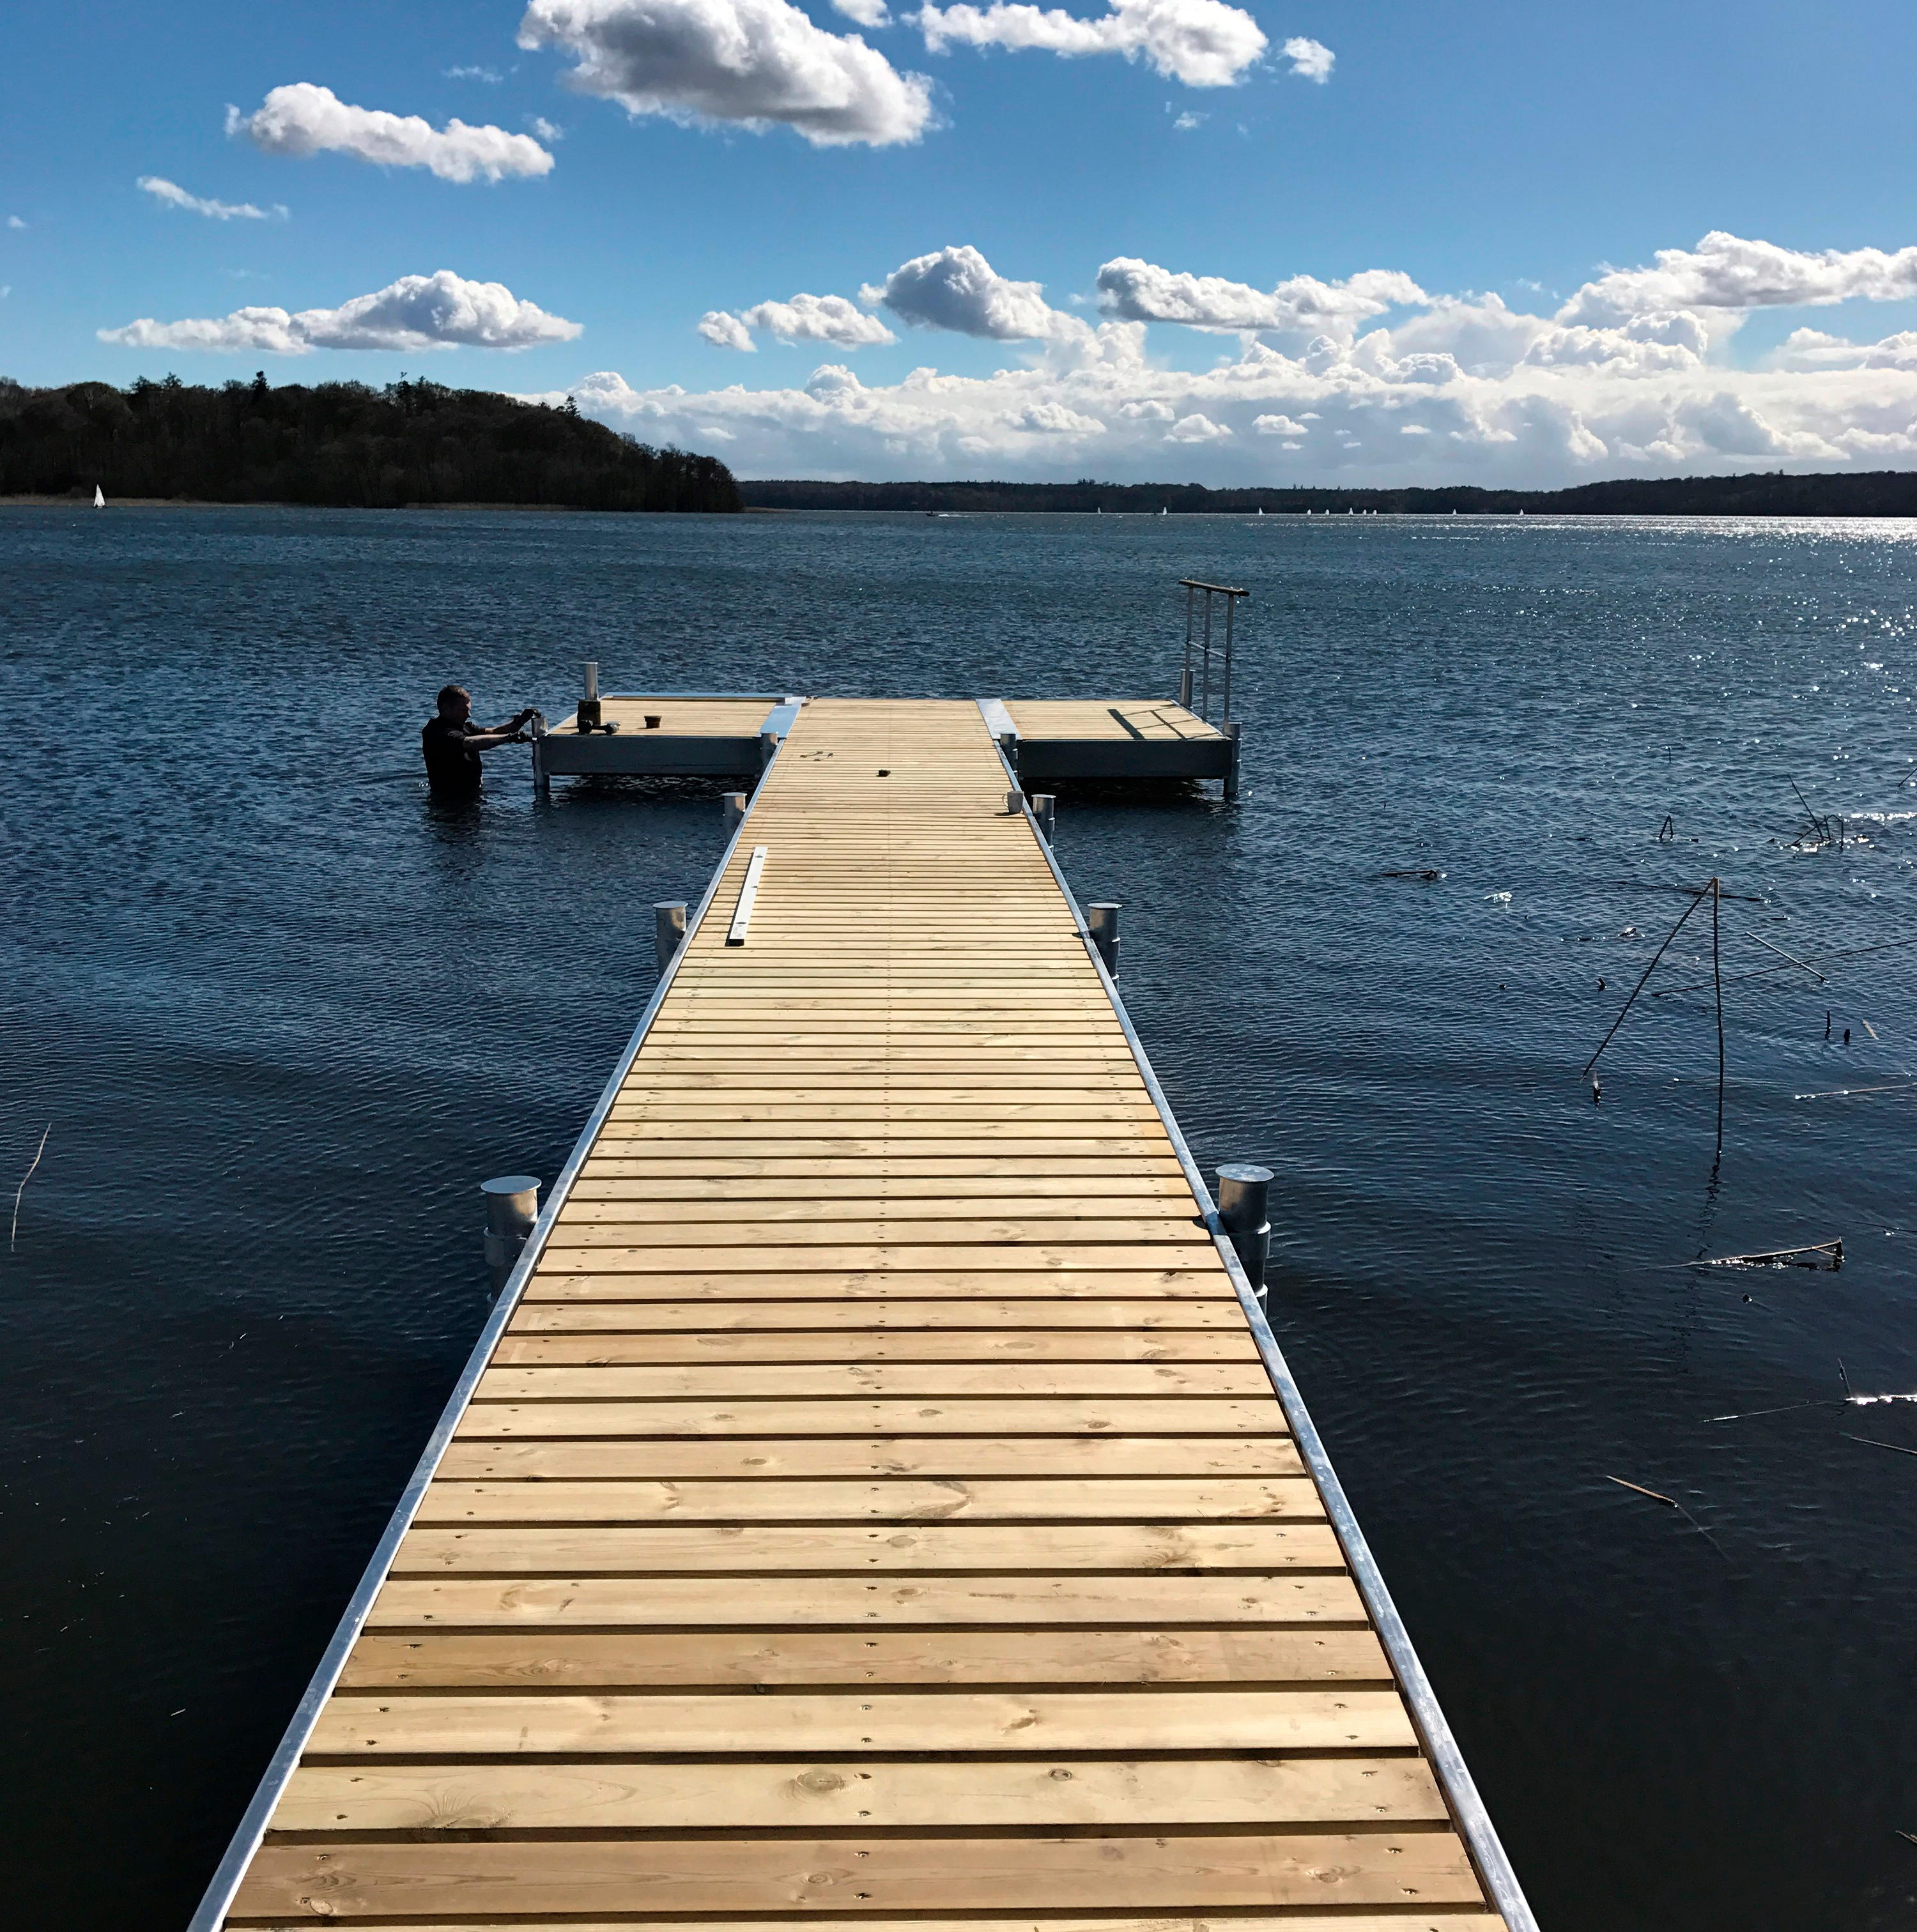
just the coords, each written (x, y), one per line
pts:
(877, 1496)
(698, 735)
(706, 735)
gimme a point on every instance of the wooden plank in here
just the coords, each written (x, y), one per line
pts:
(706, 1325)
(1031, 1872)
(1097, 1602)
(860, 1794)
(943, 1459)
(1254, 1548)
(395, 1724)
(569, 1255)
(834, 1227)
(1049, 1169)
(898, 1499)
(634, 1180)
(806, 1152)
(784, 1380)
(1039, 1415)
(849, 1347)
(1061, 1214)
(1178, 1288)
(636, 1660)
(1442, 1919)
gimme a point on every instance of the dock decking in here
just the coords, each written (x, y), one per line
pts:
(872, 1504)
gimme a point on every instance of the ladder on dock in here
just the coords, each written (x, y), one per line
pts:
(878, 1495)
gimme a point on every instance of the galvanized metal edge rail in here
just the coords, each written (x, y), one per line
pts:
(218, 1897)
(1461, 1793)
(702, 697)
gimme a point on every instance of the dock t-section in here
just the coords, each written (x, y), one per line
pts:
(875, 1504)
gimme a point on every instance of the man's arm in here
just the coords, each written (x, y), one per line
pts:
(488, 741)
(501, 732)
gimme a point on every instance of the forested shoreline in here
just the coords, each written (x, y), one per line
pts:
(337, 445)
(1881, 493)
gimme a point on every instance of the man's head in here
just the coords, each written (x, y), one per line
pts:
(455, 703)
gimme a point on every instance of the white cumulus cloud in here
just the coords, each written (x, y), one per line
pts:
(173, 195)
(438, 311)
(753, 63)
(1311, 60)
(819, 319)
(1201, 42)
(1459, 389)
(1725, 272)
(1197, 428)
(1141, 292)
(304, 119)
(867, 12)
(1811, 349)
(804, 318)
(958, 289)
(723, 330)
(490, 75)
(14, 221)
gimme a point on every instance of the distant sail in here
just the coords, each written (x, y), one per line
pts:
(99, 497)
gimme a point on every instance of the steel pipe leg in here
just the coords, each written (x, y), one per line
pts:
(735, 811)
(668, 928)
(1233, 731)
(512, 1206)
(1243, 1197)
(1044, 809)
(1102, 922)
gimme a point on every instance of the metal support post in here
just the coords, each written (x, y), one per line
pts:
(735, 811)
(590, 714)
(542, 779)
(1102, 922)
(1234, 732)
(1204, 710)
(1044, 810)
(512, 1206)
(668, 928)
(1242, 1200)
(1008, 743)
(1185, 682)
(1225, 708)
(768, 745)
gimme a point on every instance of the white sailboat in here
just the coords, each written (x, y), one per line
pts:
(99, 497)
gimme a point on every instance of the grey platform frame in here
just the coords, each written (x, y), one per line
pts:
(667, 754)
(1040, 759)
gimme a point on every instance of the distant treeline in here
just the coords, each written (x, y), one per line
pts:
(337, 444)
(1877, 493)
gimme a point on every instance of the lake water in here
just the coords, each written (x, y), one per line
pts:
(281, 1014)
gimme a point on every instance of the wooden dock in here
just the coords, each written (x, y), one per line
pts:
(873, 1500)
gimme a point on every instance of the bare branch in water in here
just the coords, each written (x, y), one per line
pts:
(14, 1237)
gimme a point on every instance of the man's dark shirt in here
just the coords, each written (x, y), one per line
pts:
(452, 767)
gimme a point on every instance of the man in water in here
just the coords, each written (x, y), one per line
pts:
(452, 743)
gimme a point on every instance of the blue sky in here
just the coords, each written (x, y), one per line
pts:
(1466, 157)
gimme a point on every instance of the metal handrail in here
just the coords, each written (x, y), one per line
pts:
(1192, 586)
